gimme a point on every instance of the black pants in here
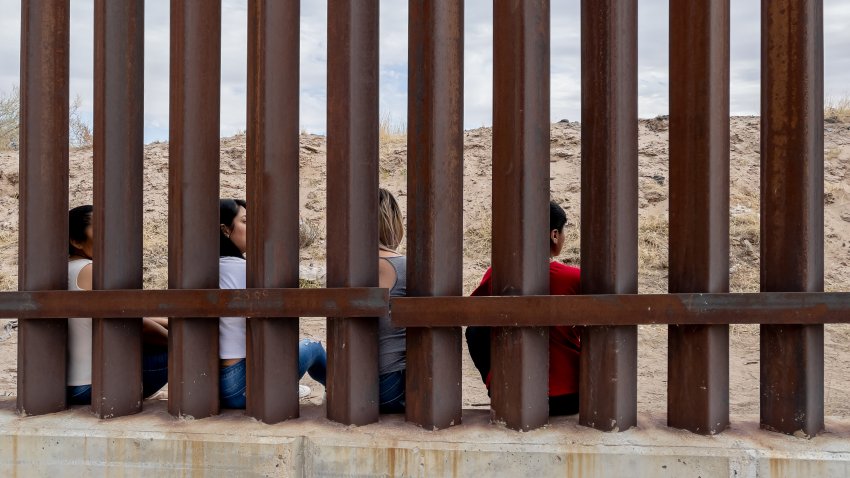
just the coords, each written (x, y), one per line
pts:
(478, 341)
(563, 404)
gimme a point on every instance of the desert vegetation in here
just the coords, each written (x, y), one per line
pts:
(565, 167)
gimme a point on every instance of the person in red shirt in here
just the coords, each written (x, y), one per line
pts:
(564, 341)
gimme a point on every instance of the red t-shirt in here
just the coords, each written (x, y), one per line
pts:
(564, 341)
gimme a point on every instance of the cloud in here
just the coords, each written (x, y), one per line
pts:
(478, 57)
(10, 44)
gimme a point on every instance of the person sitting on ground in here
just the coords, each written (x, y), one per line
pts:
(233, 240)
(154, 330)
(392, 274)
(564, 341)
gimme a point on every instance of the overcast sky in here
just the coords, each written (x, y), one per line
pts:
(652, 47)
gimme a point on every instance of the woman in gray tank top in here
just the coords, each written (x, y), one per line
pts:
(392, 274)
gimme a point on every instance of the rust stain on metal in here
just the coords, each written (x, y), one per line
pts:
(520, 358)
(193, 188)
(791, 307)
(43, 243)
(272, 189)
(354, 302)
(435, 206)
(792, 368)
(625, 309)
(698, 364)
(118, 174)
(609, 152)
(352, 380)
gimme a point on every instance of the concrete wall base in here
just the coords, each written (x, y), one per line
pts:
(74, 443)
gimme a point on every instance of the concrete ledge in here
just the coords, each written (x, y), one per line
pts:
(75, 443)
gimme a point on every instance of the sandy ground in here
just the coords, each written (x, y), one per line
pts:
(565, 185)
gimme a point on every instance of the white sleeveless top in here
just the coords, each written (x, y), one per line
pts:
(79, 334)
(232, 274)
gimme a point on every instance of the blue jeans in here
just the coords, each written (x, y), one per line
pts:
(312, 359)
(154, 377)
(391, 392)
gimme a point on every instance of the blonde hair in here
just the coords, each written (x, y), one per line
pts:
(390, 223)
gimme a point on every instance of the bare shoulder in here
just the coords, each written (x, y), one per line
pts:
(386, 274)
(84, 278)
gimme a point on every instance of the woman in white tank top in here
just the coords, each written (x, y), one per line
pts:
(155, 333)
(312, 358)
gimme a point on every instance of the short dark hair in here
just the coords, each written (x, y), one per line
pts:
(79, 219)
(557, 217)
(228, 209)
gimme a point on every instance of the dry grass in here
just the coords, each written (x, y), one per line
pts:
(477, 246)
(309, 232)
(393, 148)
(653, 233)
(8, 272)
(155, 251)
(744, 237)
(745, 233)
(653, 247)
(392, 162)
(309, 284)
(571, 253)
(653, 253)
(478, 240)
(390, 130)
(8, 282)
(837, 109)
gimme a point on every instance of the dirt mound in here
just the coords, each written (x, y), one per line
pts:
(565, 185)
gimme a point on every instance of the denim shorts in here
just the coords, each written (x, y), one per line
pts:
(154, 377)
(232, 385)
(391, 392)
(312, 359)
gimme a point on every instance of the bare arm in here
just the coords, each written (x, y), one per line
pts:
(153, 333)
(154, 330)
(161, 321)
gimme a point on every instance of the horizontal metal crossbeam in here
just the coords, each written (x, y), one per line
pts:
(619, 309)
(624, 309)
(348, 302)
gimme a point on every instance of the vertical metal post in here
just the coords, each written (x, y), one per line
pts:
(118, 172)
(435, 205)
(520, 356)
(609, 140)
(698, 363)
(792, 209)
(352, 204)
(272, 188)
(193, 224)
(43, 240)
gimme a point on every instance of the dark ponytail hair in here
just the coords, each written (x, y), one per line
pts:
(228, 209)
(79, 219)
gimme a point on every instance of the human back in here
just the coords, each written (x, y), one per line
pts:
(564, 341)
(154, 336)
(79, 330)
(392, 275)
(233, 387)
